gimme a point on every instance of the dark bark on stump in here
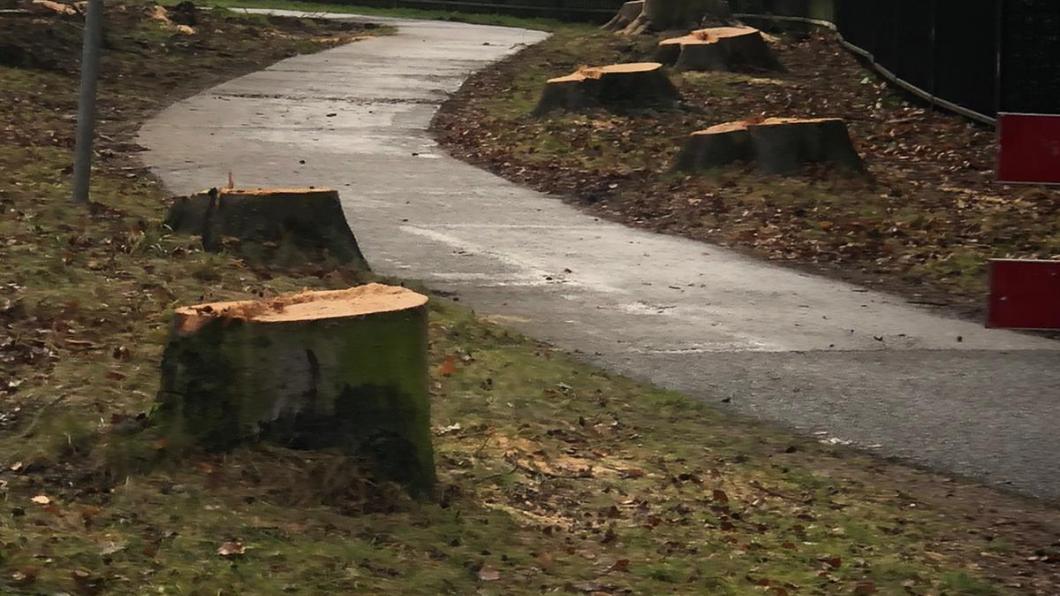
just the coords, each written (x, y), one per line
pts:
(276, 226)
(775, 145)
(345, 370)
(636, 84)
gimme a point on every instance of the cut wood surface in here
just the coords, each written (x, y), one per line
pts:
(284, 226)
(633, 84)
(718, 48)
(343, 369)
(775, 145)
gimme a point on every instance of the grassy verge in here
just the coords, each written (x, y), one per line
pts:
(542, 24)
(923, 223)
(554, 476)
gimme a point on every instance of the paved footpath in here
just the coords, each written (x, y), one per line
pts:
(826, 358)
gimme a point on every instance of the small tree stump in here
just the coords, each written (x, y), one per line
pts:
(277, 225)
(635, 84)
(342, 369)
(776, 145)
(719, 48)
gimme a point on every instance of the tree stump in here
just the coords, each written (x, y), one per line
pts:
(342, 369)
(292, 226)
(642, 16)
(634, 84)
(776, 145)
(719, 48)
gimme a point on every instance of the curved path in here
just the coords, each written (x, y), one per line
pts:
(824, 357)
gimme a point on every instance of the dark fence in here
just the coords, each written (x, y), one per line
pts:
(949, 51)
(594, 11)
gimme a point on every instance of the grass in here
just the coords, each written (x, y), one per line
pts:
(554, 476)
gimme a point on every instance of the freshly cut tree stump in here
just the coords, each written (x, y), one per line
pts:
(625, 16)
(776, 145)
(637, 84)
(719, 48)
(276, 225)
(634, 18)
(342, 369)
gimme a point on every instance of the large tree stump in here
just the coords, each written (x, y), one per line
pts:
(642, 16)
(290, 226)
(719, 48)
(342, 369)
(776, 145)
(635, 84)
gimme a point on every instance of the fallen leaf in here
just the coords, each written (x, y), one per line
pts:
(41, 499)
(231, 549)
(447, 367)
(621, 565)
(489, 574)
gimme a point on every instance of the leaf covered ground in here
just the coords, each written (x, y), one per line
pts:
(923, 223)
(554, 476)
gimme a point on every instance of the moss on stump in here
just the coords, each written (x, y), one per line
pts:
(280, 226)
(719, 48)
(342, 369)
(633, 85)
(775, 145)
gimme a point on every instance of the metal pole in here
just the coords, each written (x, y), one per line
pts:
(86, 108)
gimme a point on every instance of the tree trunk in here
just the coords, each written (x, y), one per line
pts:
(635, 84)
(634, 18)
(280, 226)
(719, 48)
(342, 369)
(625, 16)
(775, 145)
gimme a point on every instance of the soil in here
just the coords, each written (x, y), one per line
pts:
(922, 223)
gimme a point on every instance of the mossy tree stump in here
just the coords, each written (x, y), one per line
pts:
(283, 226)
(775, 145)
(342, 369)
(634, 84)
(719, 48)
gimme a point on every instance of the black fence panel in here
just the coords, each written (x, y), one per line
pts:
(966, 49)
(914, 37)
(1030, 57)
(950, 50)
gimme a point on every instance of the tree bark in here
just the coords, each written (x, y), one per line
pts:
(719, 48)
(634, 18)
(775, 145)
(635, 84)
(280, 226)
(340, 369)
(625, 16)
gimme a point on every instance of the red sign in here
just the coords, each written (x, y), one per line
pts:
(1030, 148)
(1024, 294)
